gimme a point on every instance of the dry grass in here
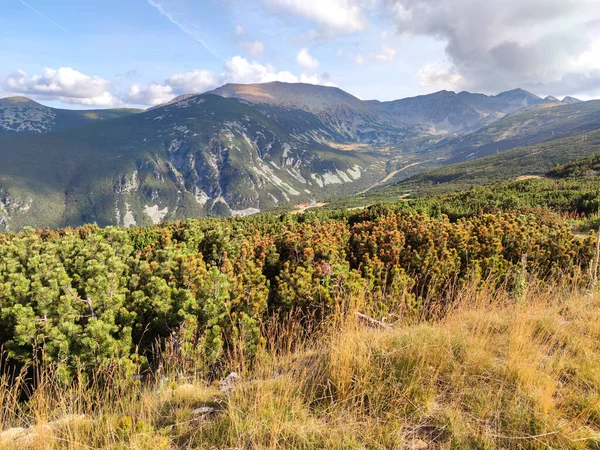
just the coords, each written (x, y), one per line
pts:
(493, 373)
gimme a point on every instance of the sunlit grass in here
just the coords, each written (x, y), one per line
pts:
(493, 373)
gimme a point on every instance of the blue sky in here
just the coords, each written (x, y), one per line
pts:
(110, 53)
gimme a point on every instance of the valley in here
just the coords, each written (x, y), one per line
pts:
(245, 149)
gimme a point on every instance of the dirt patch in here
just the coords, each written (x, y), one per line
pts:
(348, 147)
(529, 177)
(302, 208)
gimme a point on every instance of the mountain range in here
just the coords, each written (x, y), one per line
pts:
(22, 115)
(241, 149)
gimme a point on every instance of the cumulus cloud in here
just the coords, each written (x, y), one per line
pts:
(335, 15)
(239, 70)
(153, 94)
(196, 81)
(192, 82)
(438, 76)
(65, 84)
(235, 70)
(306, 61)
(501, 44)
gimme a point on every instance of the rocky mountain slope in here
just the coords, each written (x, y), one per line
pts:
(202, 155)
(448, 112)
(531, 161)
(439, 113)
(526, 127)
(242, 149)
(349, 118)
(22, 115)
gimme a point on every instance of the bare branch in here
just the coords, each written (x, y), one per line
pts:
(87, 301)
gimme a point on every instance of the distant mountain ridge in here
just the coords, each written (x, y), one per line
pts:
(243, 149)
(202, 155)
(23, 115)
(309, 97)
(439, 112)
(351, 117)
(449, 112)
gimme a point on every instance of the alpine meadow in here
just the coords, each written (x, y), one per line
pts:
(212, 238)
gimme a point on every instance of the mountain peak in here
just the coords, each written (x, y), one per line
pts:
(18, 99)
(275, 87)
(518, 92)
(551, 98)
(568, 100)
(444, 93)
(177, 99)
(310, 97)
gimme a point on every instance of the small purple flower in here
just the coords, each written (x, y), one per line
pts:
(327, 270)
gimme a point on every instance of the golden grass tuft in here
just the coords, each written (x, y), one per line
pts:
(494, 372)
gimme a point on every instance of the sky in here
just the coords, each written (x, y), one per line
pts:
(117, 53)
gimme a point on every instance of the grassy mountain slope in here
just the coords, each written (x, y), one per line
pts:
(249, 148)
(22, 115)
(440, 112)
(527, 127)
(543, 122)
(203, 155)
(449, 112)
(352, 119)
(494, 374)
(580, 168)
(523, 163)
(534, 160)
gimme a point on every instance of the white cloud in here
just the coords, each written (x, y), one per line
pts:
(105, 99)
(196, 81)
(337, 15)
(71, 86)
(589, 60)
(65, 84)
(153, 94)
(192, 82)
(254, 49)
(387, 53)
(306, 61)
(311, 79)
(503, 44)
(438, 76)
(240, 70)
(235, 70)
